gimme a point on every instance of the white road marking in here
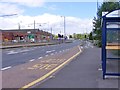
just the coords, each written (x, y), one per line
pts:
(46, 55)
(60, 51)
(53, 50)
(50, 51)
(32, 60)
(40, 57)
(52, 54)
(6, 68)
(81, 47)
(12, 52)
(100, 69)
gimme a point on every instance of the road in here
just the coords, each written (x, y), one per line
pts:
(25, 67)
(16, 56)
(67, 65)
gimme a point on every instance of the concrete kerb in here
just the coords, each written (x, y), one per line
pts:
(26, 45)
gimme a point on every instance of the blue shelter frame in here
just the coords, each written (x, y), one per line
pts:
(107, 20)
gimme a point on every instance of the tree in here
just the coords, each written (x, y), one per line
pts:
(106, 6)
(70, 36)
(90, 36)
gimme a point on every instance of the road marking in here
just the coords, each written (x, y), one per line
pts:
(100, 69)
(52, 54)
(60, 51)
(46, 55)
(81, 46)
(40, 57)
(6, 68)
(12, 52)
(31, 60)
(49, 73)
(50, 51)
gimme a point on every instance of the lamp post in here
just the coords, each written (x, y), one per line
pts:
(64, 26)
(19, 26)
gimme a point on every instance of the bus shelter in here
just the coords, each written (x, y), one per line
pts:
(111, 44)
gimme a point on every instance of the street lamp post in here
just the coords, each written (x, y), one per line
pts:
(64, 26)
(34, 24)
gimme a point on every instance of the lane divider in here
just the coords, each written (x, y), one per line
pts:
(6, 68)
(51, 72)
(32, 60)
(40, 57)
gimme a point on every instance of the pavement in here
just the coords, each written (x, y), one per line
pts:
(82, 72)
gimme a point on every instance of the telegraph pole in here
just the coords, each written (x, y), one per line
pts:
(34, 24)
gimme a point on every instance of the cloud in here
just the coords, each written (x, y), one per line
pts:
(29, 3)
(6, 8)
(73, 24)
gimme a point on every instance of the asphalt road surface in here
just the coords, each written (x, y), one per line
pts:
(12, 57)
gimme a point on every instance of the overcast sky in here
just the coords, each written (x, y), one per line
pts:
(78, 15)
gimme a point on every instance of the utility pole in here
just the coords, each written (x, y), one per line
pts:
(19, 26)
(34, 24)
(64, 27)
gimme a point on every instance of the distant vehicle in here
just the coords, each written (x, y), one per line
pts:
(32, 40)
(15, 41)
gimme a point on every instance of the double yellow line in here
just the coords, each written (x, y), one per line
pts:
(51, 72)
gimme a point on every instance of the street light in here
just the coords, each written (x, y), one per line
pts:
(64, 26)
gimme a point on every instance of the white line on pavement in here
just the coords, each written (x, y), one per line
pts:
(32, 60)
(6, 68)
(60, 51)
(12, 52)
(50, 51)
(52, 54)
(46, 55)
(40, 57)
(100, 69)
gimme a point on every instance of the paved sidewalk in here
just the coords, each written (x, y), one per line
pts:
(82, 72)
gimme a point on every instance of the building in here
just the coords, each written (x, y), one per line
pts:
(24, 35)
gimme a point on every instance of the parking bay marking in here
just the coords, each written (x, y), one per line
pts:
(42, 66)
(49, 73)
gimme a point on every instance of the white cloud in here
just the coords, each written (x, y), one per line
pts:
(6, 8)
(30, 3)
(73, 24)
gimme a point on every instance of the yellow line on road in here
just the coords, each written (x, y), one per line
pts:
(49, 73)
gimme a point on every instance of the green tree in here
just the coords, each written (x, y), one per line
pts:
(70, 36)
(90, 36)
(106, 6)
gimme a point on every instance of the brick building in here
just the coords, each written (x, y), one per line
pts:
(24, 35)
